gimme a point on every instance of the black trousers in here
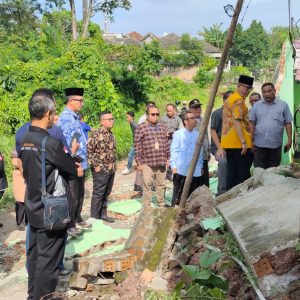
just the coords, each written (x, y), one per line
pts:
(266, 157)
(76, 196)
(178, 184)
(205, 176)
(102, 186)
(20, 212)
(238, 166)
(44, 254)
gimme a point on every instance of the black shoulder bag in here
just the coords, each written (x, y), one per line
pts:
(56, 208)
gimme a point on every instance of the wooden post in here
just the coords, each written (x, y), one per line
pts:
(211, 102)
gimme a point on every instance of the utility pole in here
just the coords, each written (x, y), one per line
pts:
(211, 102)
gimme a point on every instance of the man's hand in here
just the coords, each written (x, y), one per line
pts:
(79, 169)
(140, 167)
(244, 148)
(287, 146)
(174, 171)
(75, 146)
(220, 153)
(97, 169)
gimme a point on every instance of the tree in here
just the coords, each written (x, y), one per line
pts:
(193, 49)
(277, 37)
(251, 47)
(214, 35)
(107, 7)
(21, 16)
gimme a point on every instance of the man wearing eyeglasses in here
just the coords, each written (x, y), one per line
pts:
(102, 158)
(236, 136)
(69, 122)
(152, 153)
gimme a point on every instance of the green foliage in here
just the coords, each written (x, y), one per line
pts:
(231, 78)
(214, 35)
(170, 89)
(204, 75)
(192, 48)
(250, 47)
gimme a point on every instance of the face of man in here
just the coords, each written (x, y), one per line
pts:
(253, 99)
(268, 93)
(196, 111)
(153, 115)
(76, 103)
(129, 118)
(244, 89)
(55, 119)
(170, 111)
(190, 121)
(107, 121)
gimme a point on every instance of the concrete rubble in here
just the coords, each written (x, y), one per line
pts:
(263, 215)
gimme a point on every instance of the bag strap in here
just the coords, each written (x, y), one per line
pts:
(44, 192)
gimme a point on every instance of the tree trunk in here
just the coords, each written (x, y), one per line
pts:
(211, 102)
(87, 21)
(74, 22)
(84, 10)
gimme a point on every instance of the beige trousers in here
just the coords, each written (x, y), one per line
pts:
(151, 175)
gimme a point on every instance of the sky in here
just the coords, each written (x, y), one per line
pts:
(189, 16)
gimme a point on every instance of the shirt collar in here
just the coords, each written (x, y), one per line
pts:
(71, 112)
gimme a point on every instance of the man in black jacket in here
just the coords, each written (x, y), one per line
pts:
(3, 180)
(46, 248)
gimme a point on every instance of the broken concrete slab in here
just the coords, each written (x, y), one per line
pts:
(265, 223)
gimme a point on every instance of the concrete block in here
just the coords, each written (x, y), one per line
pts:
(77, 281)
(147, 276)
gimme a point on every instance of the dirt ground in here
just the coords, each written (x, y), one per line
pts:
(12, 240)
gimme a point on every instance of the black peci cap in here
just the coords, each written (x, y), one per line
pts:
(194, 103)
(74, 92)
(246, 80)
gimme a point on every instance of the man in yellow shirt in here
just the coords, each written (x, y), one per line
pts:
(236, 137)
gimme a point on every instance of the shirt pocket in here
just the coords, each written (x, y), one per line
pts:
(278, 119)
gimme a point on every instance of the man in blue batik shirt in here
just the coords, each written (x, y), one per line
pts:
(69, 122)
(182, 150)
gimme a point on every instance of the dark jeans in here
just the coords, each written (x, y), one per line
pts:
(267, 157)
(44, 254)
(205, 176)
(238, 166)
(102, 186)
(76, 196)
(178, 184)
(20, 212)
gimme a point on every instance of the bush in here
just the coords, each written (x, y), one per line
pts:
(205, 76)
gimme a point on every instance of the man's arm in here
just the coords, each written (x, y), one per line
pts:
(174, 152)
(239, 131)
(288, 128)
(138, 146)
(215, 138)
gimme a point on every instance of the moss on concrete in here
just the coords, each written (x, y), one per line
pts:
(165, 221)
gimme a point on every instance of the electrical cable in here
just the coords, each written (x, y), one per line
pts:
(245, 11)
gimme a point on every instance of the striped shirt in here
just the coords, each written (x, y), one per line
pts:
(151, 145)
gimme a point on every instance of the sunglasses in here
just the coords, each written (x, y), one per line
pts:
(154, 114)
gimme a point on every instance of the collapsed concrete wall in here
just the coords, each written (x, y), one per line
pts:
(263, 215)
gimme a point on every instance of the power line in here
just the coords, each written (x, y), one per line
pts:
(245, 11)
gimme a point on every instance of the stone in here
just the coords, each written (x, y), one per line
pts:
(186, 229)
(103, 281)
(71, 293)
(147, 276)
(77, 281)
(159, 284)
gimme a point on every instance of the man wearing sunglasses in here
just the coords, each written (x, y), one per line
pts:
(69, 122)
(236, 137)
(152, 154)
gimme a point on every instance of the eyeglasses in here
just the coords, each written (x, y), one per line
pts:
(191, 118)
(110, 119)
(79, 100)
(154, 114)
(248, 87)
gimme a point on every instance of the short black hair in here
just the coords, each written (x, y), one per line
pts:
(44, 92)
(130, 113)
(255, 94)
(42, 101)
(149, 107)
(150, 103)
(268, 84)
(227, 94)
(106, 112)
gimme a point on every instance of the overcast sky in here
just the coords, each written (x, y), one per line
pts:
(181, 16)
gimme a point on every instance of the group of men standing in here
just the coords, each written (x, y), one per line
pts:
(159, 145)
(240, 136)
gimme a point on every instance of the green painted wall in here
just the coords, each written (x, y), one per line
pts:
(288, 91)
